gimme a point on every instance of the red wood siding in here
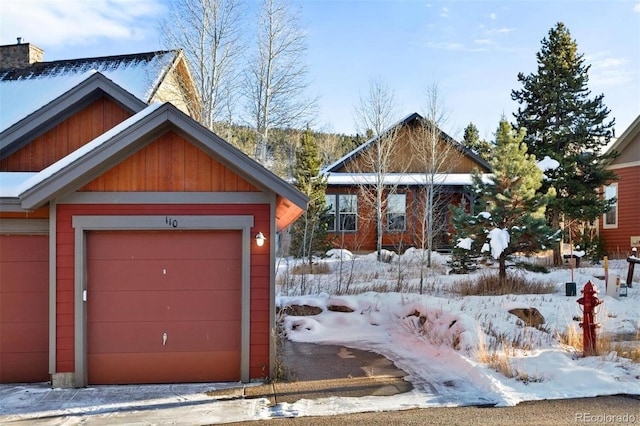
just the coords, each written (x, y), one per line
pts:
(66, 137)
(24, 308)
(617, 240)
(259, 276)
(141, 285)
(364, 239)
(170, 163)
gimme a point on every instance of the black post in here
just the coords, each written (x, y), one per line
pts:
(632, 263)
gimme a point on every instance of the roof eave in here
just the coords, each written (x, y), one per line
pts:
(60, 108)
(137, 135)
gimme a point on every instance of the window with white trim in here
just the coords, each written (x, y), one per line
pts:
(347, 212)
(396, 212)
(330, 203)
(610, 219)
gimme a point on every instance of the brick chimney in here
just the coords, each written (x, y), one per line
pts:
(19, 55)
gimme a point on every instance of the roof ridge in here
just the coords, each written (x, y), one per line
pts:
(105, 57)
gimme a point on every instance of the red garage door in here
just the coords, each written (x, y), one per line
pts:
(24, 308)
(163, 307)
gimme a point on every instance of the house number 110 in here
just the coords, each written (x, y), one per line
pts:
(171, 222)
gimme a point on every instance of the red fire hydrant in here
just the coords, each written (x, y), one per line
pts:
(589, 301)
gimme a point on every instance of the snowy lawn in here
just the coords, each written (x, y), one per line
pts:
(469, 349)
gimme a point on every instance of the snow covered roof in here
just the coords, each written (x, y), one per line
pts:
(91, 85)
(33, 190)
(26, 90)
(402, 179)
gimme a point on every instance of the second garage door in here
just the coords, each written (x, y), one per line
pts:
(163, 307)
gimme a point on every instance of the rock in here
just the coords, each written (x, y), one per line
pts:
(531, 316)
(339, 308)
(300, 310)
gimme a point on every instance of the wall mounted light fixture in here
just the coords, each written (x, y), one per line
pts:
(260, 239)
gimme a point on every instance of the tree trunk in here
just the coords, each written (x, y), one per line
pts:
(555, 223)
(502, 271)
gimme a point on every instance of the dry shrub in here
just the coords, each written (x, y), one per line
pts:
(314, 268)
(626, 350)
(490, 285)
(572, 337)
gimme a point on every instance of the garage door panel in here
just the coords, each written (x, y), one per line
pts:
(190, 336)
(24, 308)
(165, 245)
(195, 305)
(24, 367)
(23, 276)
(23, 337)
(24, 248)
(141, 285)
(152, 367)
(160, 274)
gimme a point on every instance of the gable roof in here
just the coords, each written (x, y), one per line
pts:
(91, 160)
(25, 90)
(625, 139)
(76, 92)
(402, 123)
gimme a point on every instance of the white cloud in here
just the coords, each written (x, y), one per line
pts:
(636, 8)
(77, 22)
(444, 12)
(492, 16)
(609, 71)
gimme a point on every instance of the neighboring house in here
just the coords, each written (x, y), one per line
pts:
(128, 249)
(353, 224)
(620, 226)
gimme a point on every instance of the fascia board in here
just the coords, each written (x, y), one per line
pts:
(233, 158)
(97, 161)
(62, 107)
(137, 136)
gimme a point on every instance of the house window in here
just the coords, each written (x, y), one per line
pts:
(396, 212)
(611, 217)
(330, 203)
(348, 212)
(346, 206)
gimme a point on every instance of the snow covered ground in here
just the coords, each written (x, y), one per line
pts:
(469, 350)
(460, 342)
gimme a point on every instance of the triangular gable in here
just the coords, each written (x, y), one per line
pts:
(352, 156)
(95, 158)
(169, 164)
(630, 136)
(58, 109)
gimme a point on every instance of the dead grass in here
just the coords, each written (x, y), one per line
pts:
(572, 337)
(314, 268)
(490, 285)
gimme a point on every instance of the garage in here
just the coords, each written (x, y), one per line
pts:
(163, 306)
(24, 308)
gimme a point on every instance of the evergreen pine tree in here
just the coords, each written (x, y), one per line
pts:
(471, 140)
(564, 123)
(513, 218)
(465, 252)
(309, 232)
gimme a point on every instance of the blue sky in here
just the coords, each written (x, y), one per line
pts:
(471, 50)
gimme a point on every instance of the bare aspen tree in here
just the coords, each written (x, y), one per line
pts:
(375, 115)
(209, 33)
(275, 79)
(435, 157)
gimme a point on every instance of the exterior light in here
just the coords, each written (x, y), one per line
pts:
(260, 239)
